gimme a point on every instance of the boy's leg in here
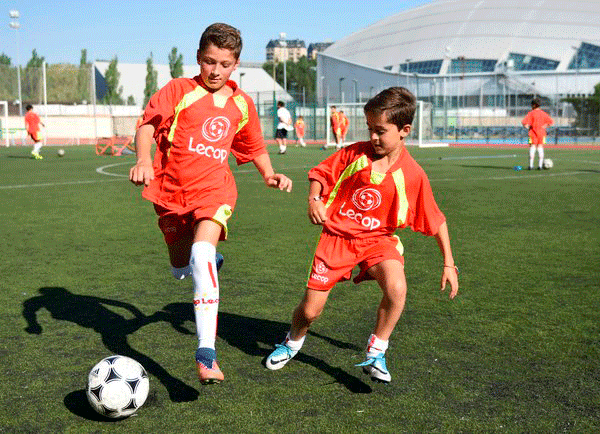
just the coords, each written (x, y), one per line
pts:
(540, 149)
(390, 277)
(304, 315)
(531, 155)
(206, 298)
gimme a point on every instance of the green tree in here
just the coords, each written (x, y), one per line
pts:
(83, 77)
(588, 111)
(300, 77)
(151, 80)
(35, 61)
(114, 92)
(175, 63)
(5, 60)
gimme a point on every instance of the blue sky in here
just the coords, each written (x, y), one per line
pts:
(131, 30)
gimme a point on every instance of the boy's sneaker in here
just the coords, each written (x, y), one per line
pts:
(208, 369)
(376, 369)
(219, 260)
(36, 155)
(278, 358)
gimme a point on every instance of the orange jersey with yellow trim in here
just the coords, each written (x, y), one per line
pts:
(32, 122)
(299, 126)
(195, 130)
(537, 119)
(344, 122)
(335, 122)
(363, 203)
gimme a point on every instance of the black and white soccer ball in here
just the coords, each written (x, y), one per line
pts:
(547, 163)
(117, 386)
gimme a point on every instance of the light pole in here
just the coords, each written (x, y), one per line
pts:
(283, 44)
(340, 88)
(407, 71)
(355, 90)
(14, 24)
(241, 76)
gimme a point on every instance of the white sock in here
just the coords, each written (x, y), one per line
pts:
(181, 273)
(36, 147)
(206, 292)
(294, 345)
(540, 150)
(531, 155)
(376, 346)
(302, 143)
(282, 148)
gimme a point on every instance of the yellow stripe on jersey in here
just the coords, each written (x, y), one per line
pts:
(187, 100)
(242, 104)
(398, 176)
(353, 168)
(399, 246)
(376, 177)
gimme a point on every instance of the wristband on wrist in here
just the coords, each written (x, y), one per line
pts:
(452, 266)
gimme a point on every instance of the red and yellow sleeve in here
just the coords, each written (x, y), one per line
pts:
(248, 142)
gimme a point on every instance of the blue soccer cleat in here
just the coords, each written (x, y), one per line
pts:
(375, 367)
(278, 358)
(219, 260)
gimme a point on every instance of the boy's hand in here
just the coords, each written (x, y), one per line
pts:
(450, 274)
(277, 180)
(141, 173)
(317, 212)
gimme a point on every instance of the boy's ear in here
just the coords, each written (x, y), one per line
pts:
(405, 131)
(198, 56)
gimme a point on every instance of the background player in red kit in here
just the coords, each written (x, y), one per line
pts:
(32, 125)
(536, 121)
(196, 122)
(361, 195)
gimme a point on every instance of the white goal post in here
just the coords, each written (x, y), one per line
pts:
(4, 121)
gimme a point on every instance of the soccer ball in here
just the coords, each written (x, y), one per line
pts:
(61, 152)
(547, 163)
(117, 386)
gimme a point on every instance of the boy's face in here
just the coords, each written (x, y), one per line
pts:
(385, 137)
(216, 66)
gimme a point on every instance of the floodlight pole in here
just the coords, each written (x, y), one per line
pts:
(15, 15)
(283, 43)
(340, 88)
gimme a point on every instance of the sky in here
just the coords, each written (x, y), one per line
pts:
(132, 29)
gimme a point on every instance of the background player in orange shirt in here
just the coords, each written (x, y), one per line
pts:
(536, 121)
(196, 122)
(361, 195)
(300, 127)
(32, 124)
(344, 124)
(335, 128)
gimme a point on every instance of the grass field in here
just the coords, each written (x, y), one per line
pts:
(85, 275)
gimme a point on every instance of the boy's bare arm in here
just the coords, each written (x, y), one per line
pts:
(143, 172)
(272, 179)
(317, 213)
(449, 273)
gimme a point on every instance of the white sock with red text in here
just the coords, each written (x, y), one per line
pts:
(294, 345)
(206, 292)
(531, 156)
(376, 346)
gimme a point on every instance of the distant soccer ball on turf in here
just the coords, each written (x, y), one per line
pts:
(547, 163)
(117, 386)
(61, 152)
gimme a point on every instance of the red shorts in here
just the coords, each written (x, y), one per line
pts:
(176, 226)
(335, 258)
(36, 136)
(537, 137)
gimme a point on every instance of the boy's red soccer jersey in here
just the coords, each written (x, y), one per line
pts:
(299, 128)
(362, 203)
(536, 119)
(195, 130)
(32, 122)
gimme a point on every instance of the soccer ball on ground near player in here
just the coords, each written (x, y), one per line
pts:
(117, 386)
(61, 152)
(547, 163)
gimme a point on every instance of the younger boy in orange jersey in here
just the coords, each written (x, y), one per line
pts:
(361, 195)
(536, 121)
(299, 126)
(196, 122)
(32, 125)
(334, 119)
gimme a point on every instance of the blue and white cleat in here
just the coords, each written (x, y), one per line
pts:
(278, 358)
(375, 367)
(219, 260)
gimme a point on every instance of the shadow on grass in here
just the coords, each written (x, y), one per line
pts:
(91, 312)
(247, 333)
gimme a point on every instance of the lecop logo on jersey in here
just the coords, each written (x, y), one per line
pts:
(366, 199)
(320, 269)
(208, 150)
(215, 128)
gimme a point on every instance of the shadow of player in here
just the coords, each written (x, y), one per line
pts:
(92, 312)
(247, 333)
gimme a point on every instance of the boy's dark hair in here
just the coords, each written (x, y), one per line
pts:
(222, 36)
(398, 104)
(280, 104)
(535, 103)
(28, 107)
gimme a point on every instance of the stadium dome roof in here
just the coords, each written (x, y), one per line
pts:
(477, 34)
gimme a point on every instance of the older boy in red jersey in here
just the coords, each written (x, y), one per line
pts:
(196, 123)
(336, 129)
(344, 124)
(32, 125)
(361, 195)
(536, 122)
